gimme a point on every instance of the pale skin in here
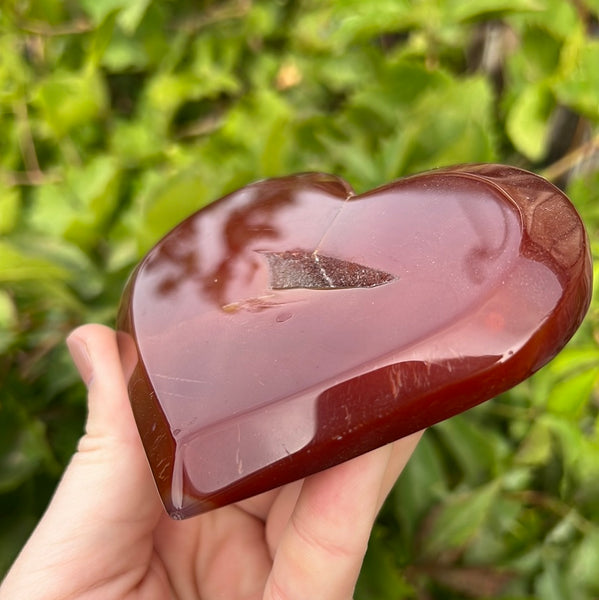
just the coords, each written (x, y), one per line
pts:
(105, 534)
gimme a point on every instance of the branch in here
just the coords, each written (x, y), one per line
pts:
(573, 159)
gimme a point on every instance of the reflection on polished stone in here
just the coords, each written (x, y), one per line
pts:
(293, 324)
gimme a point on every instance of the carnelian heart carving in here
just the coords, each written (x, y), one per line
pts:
(293, 325)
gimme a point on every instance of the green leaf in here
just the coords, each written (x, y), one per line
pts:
(540, 54)
(137, 141)
(465, 10)
(130, 12)
(582, 569)
(101, 40)
(17, 266)
(148, 48)
(71, 99)
(460, 519)
(557, 17)
(8, 320)
(399, 86)
(448, 125)
(573, 359)
(380, 578)
(579, 80)
(166, 91)
(581, 453)
(214, 63)
(536, 448)
(569, 397)
(500, 535)
(160, 203)
(357, 20)
(528, 121)
(260, 126)
(550, 585)
(15, 73)
(78, 208)
(48, 11)
(583, 190)
(421, 485)
(84, 276)
(173, 202)
(10, 205)
(23, 447)
(475, 449)
(593, 6)
(130, 18)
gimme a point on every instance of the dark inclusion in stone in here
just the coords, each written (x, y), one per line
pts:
(314, 271)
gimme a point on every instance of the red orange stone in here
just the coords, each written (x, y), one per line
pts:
(293, 325)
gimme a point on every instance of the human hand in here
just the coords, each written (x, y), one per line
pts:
(105, 535)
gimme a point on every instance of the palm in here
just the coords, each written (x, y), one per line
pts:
(289, 537)
(226, 553)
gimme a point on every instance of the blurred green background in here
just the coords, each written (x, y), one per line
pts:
(120, 117)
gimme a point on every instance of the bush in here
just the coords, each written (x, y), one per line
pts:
(121, 117)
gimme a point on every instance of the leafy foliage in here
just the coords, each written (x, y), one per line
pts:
(121, 117)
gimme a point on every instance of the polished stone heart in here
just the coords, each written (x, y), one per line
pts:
(293, 325)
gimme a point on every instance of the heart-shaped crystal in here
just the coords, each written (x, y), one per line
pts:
(293, 324)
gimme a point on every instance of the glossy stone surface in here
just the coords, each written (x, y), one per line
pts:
(293, 325)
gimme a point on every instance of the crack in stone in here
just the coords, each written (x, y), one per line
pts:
(315, 271)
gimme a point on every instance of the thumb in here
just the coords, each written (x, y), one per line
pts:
(106, 502)
(110, 455)
(105, 361)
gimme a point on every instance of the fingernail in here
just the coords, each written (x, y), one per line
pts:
(80, 355)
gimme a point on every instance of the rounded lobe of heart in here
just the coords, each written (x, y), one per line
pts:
(293, 324)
